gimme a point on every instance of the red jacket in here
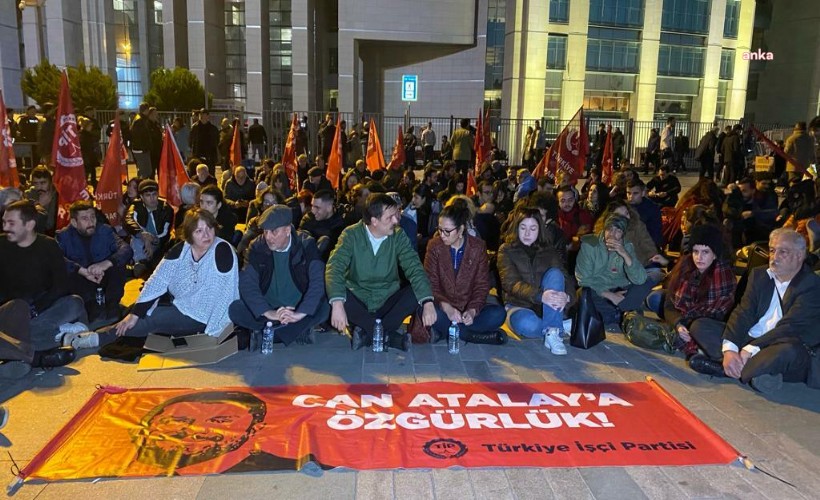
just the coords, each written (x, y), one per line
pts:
(469, 288)
(571, 221)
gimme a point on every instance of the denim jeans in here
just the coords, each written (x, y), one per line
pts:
(655, 300)
(526, 323)
(489, 319)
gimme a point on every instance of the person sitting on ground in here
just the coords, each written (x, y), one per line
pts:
(486, 223)
(95, 258)
(270, 197)
(751, 212)
(317, 181)
(769, 335)
(149, 222)
(608, 265)
(265, 198)
(17, 354)
(201, 274)
(32, 271)
(43, 193)
(597, 199)
(573, 220)
(537, 288)
(457, 266)
(553, 236)
(212, 200)
(362, 277)
(663, 189)
(189, 195)
(203, 177)
(240, 192)
(701, 285)
(649, 212)
(323, 222)
(282, 281)
(526, 184)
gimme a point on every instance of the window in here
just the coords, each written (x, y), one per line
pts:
(614, 50)
(128, 57)
(556, 52)
(688, 16)
(599, 103)
(616, 12)
(281, 54)
(667, 105)
(494, 57)
(732, 18)
(720, 109)
(552, 103)
(559, 11)
(727, 64)
(680, 61)
(236, 70)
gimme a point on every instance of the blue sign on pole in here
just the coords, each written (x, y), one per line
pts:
(409, 87)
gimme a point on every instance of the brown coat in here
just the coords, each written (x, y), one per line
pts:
(469, 288)
(521, 275)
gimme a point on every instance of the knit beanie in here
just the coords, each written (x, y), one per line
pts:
(707, 235)
(617, 221)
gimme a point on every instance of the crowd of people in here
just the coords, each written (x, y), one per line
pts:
(249, 248)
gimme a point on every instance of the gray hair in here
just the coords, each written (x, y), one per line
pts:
(9, 195)
(789, 235)
(189, 193)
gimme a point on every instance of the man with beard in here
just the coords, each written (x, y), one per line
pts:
(43, 192)
(323, 222)
(95, 259)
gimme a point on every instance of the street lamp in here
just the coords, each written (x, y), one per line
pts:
(208, 74)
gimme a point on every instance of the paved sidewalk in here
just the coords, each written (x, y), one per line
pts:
(780, 433)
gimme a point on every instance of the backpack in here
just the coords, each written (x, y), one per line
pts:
(649, 333)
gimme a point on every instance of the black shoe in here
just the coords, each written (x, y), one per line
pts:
(436, 336)
(307, 337)
(706, 366)
(398, 340)
(52, 358)
(255, 341)
(767, 384)
(497, 337)
(357, 338)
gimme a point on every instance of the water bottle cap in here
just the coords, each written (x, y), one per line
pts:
(453, 323)
(378, 321)
(269, 323)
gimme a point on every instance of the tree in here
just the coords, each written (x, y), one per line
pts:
(42, 82)
(89, 86)
(175, 90)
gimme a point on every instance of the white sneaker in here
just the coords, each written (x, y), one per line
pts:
(83, 340)
(67, 328)
(553, 342)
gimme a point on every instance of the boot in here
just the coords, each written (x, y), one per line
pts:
(436, 336)
(398, 340)
(497, 337)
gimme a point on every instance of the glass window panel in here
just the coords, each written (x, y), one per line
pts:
(559, 11)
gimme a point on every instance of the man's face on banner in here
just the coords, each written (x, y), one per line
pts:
(187, 432)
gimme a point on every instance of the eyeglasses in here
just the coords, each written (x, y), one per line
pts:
(447, 232)
(487, 192)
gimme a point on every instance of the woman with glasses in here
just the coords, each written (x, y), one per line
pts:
(536, 286)
(458, 269)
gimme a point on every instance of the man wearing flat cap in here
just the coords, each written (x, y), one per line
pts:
(607, 264)
(317, 181)
(149, 221)
(282, 281)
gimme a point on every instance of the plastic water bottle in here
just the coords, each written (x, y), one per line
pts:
(453, 338)
(100, 296)
(267, 338)
(378, 337)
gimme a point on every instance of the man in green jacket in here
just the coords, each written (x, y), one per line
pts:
(362, 277)
(608, 265)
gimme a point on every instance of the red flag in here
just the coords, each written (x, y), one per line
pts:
(482, 144)
(397, 160)
(568, 152)
(8, 163)
(236, 145)
(606, 162)
(172, 174)
(289, 156)
(335, 160)
(109, 190)
(472, 187)
(375, 154)
(69, 173)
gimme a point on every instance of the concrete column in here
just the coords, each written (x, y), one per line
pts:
(572, 88)
(142, 12)
(642, 104)
(98, 36)
(33, 28)
(257, 48)
(704, 104)
(304, 72)
(206, 44)
(10, 67)
(64, 32)
(525, 62)
(348, 74)
(736, 94)
(175, 33)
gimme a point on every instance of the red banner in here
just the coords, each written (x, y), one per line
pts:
(375, 154)
(69, 172)
(155, 432)
(608, 158)
(289, 156)
(109, 190)
(568, 152)
(236, 145)
(482, 144)
(172, 175)
(8, 163)
(335, 161)
(398, 159)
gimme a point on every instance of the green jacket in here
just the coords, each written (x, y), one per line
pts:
(602, 270)
(373, 278)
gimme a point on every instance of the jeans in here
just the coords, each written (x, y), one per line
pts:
(242, 316)
(46, 325)
(165, 319)
(489, 319)
(655, 300)
(526, 323)
(633, 301)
